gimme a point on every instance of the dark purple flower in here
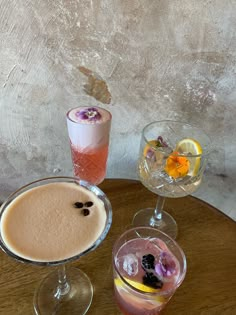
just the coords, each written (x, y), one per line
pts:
(166, 266)
(91, 114)
(161, 142)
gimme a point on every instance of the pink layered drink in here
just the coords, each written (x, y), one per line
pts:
(89, 130)
(53, 222)
(146, 274)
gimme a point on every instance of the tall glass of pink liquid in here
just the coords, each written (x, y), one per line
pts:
(148, 268)
(89, 130)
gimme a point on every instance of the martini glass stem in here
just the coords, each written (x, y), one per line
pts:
(63, 286)
(157, 218)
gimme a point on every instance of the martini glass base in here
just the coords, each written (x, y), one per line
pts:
(77, 299)
(167, 224)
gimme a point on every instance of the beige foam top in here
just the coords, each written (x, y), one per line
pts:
(42, 224)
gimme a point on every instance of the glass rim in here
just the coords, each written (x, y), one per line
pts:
(80, 123)
(160, 149)
(83, 183)
(180, 278)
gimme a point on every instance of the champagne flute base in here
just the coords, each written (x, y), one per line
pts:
(167, 224)
(76, 300)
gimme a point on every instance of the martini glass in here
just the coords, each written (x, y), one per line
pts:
(172, 159)
(66, 290)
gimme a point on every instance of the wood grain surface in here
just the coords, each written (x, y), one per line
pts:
(207, 237)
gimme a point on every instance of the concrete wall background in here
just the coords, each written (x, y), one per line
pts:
(159, 59)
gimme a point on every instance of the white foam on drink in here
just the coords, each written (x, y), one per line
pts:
(85, 133)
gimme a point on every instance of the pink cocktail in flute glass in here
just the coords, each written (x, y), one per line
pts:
(89, 131)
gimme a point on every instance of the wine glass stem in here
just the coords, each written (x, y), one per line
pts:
(63, 286)
(158, 210)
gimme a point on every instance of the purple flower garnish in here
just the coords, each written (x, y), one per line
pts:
(91, 114)
(166, 266)
(161, 142)
(150, 153)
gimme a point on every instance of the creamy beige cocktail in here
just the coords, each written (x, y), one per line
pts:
(53, 222)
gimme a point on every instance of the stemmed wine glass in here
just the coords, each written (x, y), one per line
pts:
(172, 160)
(64, 291)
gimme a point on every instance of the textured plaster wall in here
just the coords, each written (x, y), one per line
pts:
(159, 59)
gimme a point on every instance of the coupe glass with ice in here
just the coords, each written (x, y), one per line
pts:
(51, 222)
(89, 130)
(172, 160)
(148, 268)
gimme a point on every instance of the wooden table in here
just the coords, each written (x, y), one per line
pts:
(207, 237)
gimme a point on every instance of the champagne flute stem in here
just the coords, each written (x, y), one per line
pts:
(158, 210)
(63, 286)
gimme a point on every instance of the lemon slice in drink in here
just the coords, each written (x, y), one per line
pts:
(136, 285)
(192, 147)
(140, 287)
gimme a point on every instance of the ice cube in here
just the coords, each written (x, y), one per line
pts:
(130, 264)
(166, 177)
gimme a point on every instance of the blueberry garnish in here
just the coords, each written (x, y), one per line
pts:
(78, 205)
(152, 281)
(88, 204)
(85, 212)
(148, 262)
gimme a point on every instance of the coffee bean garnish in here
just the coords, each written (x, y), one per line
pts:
(88, 204)
(85, 212)
(78, 205)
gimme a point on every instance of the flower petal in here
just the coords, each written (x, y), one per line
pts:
(91, 114)
(166, 266)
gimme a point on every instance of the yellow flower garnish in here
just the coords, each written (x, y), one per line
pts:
(149, 147)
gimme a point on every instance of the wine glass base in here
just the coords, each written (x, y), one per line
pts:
(77, 300)
(167, 224)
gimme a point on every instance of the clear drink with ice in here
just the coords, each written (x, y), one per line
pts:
(172, 160)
